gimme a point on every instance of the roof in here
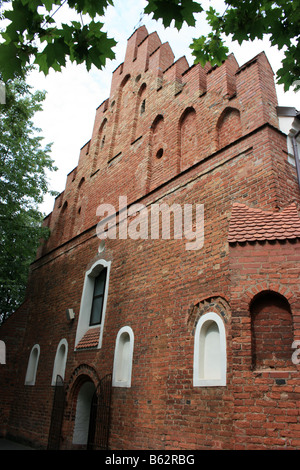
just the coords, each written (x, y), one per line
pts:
(90, 339)
(252, 224)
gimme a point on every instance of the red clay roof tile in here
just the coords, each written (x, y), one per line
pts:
(250, 224)
(90, 339)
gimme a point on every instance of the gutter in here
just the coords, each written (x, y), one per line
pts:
(295, 148)
(287, 111)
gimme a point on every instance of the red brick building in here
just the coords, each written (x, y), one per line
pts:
(183, 348)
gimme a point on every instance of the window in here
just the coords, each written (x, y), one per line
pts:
(98, 296)
(143, 106)
(32, 365)
(2, 352)
(123, 358)
(210, 352)
(60, 361)
(93, 305)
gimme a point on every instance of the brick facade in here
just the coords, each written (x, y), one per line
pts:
(174, 134)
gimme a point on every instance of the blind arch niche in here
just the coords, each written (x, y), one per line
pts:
(210, 352)
(123, 358)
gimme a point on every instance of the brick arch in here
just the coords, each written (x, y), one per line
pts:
(228, 127)
(78, 211)
(216, 303)
(137, 128)
(61, 227)
(100, 142)
(157, 135)
(120, 133)
(187, 138)
(158, 119)
(81, 374)
(124, 81)
(157, 152)
(251, 293)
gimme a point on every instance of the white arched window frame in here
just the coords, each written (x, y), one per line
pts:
(2, 352)
(60, 361)
(87, 300)
(32, 365)
(122, 369)
(210, 359)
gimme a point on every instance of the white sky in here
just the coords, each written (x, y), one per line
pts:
(74, 94)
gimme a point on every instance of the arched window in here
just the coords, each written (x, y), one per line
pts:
(93, 305)
(210, 351)
(272, 331)
(60, 361)
(123, 358)
(32, 365)
(2, 352)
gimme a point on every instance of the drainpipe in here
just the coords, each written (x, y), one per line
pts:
(295, 148)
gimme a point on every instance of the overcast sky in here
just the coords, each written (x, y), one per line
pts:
(74, 94)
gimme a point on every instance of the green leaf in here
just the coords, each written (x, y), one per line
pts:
(10, 63)
(48, 4)
(90, 7)
(169, 10)
(209, 49)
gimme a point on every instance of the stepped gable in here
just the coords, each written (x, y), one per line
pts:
(252, 224)
(189, 113)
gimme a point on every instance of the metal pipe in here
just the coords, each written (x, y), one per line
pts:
(295, 148)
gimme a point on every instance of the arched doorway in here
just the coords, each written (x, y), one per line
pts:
(82, 415)
(89, 415)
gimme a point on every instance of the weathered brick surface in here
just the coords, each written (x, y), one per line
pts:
(266, 393)
(216, 133)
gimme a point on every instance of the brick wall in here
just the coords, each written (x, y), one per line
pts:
(266, 387)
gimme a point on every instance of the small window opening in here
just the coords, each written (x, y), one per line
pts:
(160, 153)
(97, 305)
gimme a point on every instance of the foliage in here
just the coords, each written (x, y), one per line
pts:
(23, 182)
(32, 32)
(243, 20)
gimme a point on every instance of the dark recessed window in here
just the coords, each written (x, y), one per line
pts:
(97, 305)
(159, 153)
